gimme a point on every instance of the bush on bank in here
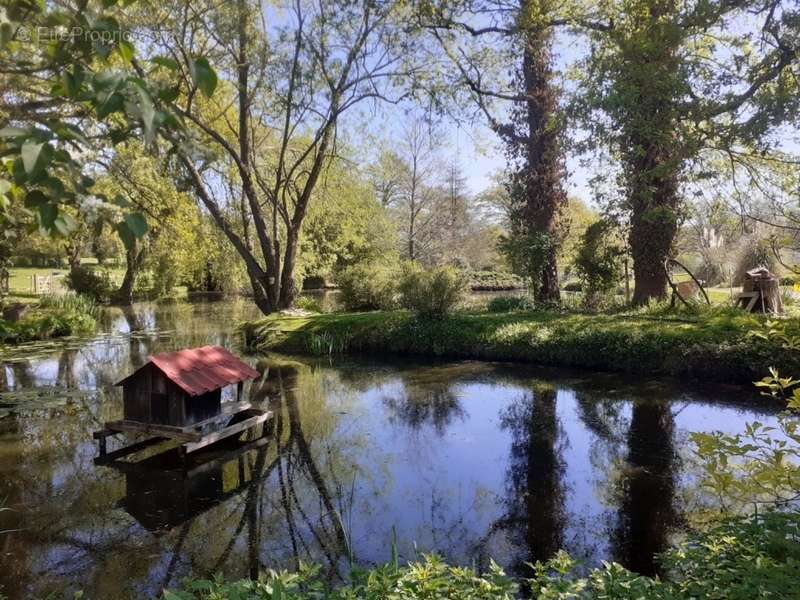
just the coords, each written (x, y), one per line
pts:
(494, 281)
(713, 345)
(431, 293)
(54, 316)
(748, 558)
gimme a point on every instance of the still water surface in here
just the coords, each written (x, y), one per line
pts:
(471, 460)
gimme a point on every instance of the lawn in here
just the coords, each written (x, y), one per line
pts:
(21, 286)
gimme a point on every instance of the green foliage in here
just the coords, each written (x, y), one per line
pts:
(527, 253)
(345, 226)
(89, 70)
(327, 343)
(494, 281)
(762, 464)
(92, 283)
(71, 302)
(369, 286)
(431, 293)
(740, 559)
(597, 261)
(430, 578)
(50, 322)
(509, 303)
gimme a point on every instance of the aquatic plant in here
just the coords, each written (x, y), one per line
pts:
(327, 343)
(73, 302)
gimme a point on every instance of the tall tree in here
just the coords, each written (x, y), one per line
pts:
(417, 195)
(272, 134)
(522, 35)
(669, 80)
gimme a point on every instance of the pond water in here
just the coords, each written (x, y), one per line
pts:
(471, 460)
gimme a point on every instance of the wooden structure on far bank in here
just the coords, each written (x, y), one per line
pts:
(178, 395)
(761, 292)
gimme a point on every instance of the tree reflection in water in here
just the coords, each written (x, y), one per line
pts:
(305, 512)
(647, 509)
(534, 518)
(417, 404)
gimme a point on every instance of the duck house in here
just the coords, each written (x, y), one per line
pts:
(178, 395)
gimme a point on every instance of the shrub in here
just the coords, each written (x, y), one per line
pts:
(432, 293)
(739, 559)
(528, 253)
(369, 286)
(492, 281)
(46, 324)
(597, 261)
(573, 286)
(95, 284)
(510, 303)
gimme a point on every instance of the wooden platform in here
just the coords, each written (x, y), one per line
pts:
(239, 417)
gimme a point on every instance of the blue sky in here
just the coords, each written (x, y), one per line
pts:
(479, 150)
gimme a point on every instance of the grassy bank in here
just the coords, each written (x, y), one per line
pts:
(51, 317)
(712, 345)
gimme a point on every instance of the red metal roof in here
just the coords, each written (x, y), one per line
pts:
(200, 370)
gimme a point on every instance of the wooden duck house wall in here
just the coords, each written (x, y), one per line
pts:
(149, 396)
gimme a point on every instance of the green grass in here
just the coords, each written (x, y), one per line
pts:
(712, 344)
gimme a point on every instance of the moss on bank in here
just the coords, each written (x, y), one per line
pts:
(713, 345)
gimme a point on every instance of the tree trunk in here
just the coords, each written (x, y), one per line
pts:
(134, 259)
(74, 259)
(652, 152)
(544, 194)
(654, 220)
(288, 288)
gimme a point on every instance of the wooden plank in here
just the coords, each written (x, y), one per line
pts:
(227, 411)
(112, 456)
(751, 296)
(169, 431)
(227, 432)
